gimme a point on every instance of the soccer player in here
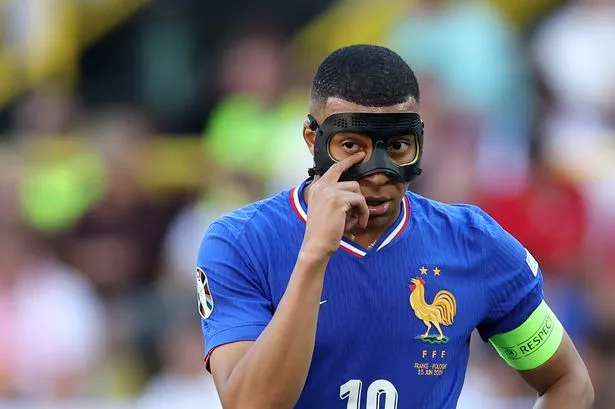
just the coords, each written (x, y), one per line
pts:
(349, 291)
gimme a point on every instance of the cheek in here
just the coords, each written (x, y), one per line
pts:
(401, 189)
(398, 191)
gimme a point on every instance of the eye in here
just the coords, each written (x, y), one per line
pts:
(402, 150)
(399, 146)
(351, 147)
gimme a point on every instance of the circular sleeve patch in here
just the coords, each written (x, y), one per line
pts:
(206, 301)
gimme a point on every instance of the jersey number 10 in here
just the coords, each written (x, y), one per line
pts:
(381, 394)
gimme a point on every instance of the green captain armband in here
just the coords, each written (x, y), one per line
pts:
(532, 343)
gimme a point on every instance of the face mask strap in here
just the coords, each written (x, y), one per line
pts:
(314, 126)
(313, 123)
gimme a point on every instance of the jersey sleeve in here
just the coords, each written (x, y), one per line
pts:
(513, 281)
(232, 303)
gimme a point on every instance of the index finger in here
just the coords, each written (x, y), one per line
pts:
(333, 174)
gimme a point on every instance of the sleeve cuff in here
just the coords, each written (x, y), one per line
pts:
(248, 332)
(515, 317)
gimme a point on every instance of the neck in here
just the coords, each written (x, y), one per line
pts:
(365, 239)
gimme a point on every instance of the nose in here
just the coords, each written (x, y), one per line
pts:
(377, 179)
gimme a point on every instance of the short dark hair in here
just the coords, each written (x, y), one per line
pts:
(365, 74)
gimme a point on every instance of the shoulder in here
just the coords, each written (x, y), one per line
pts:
(460, 224)
(255, 218)
(242, 237)
(458, 216)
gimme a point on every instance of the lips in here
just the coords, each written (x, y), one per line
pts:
(377, 206)
(376, 201)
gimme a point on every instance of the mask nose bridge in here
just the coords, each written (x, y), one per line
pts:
(377, 145)
(379, 160)
(379, 152)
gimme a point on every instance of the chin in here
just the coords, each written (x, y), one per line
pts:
(383, 220)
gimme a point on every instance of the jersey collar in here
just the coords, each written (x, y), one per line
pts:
(299, 207)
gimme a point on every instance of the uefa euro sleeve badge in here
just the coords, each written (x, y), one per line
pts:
(206, 301)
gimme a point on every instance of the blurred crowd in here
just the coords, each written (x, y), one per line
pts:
(104, 201)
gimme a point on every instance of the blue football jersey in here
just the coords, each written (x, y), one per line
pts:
(395, 320)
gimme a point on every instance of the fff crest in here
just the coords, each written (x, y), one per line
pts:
(437, 313)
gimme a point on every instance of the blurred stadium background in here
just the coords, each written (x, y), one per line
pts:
(126, 126)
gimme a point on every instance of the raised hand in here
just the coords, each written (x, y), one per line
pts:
(334, 207)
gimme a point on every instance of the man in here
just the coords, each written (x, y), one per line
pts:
(351, 292)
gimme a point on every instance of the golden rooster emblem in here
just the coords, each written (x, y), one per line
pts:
(440, 312)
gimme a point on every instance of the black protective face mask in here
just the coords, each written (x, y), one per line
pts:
(380, 128)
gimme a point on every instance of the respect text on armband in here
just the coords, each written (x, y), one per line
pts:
(533, 343)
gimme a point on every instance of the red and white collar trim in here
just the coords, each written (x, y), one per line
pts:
(296, 204)
(300, 210)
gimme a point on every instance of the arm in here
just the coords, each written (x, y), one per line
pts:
(524, 330)
(563, 381)
(271, 371)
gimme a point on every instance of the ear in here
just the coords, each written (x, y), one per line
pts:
(309, 136)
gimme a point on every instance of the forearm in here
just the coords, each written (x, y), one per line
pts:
(273, 372)
(567, 393)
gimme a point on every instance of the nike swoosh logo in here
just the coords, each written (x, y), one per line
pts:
(322, 302)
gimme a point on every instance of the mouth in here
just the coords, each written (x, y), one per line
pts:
(376, 201)
(377, 206)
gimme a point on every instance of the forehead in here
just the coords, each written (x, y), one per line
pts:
(337, 105)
